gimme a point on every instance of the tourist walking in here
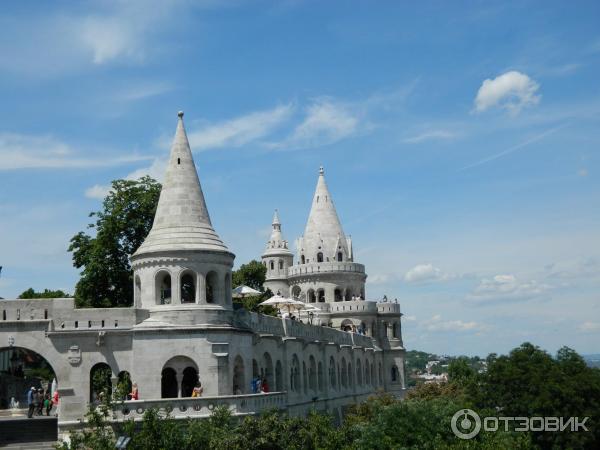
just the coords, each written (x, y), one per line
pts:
(55, 401)
(31, 402)
(47, 403)
(39, 402)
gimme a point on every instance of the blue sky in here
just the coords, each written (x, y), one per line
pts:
(461, 143)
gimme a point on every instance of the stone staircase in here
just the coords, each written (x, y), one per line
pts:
(21, 433)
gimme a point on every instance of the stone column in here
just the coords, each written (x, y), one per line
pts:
(176, 288)
(201, 292)
(179, 378)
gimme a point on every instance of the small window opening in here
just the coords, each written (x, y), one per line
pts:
(116, 323)
(18, 314)
(89, 324)
(45, 314)
(103, 324)
(4, 315)
(76, 324)
(178, 160)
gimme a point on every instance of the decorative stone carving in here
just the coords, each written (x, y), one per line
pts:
(74, 355)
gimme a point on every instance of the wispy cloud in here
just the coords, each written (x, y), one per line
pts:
(589, 327)
(437, 324)
(423, 273)
(430, 136)
(514, 148)
(241, 130)
(511, 91)
(143, 90)
(507, 288)
(19, 151)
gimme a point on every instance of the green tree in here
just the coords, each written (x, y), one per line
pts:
(46, 293)
(252, 274)
(120, 228)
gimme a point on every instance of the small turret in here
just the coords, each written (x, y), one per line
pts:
(277, 257)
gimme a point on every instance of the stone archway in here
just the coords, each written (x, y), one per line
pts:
(178, 377)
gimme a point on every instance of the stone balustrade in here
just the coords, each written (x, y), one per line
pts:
(201, 406)
(324, 267)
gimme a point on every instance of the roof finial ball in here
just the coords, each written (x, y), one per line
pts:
(180, 114)
(321, 170)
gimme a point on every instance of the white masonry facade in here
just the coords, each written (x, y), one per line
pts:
(183, 328)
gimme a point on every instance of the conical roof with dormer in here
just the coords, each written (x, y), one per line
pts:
(323, 232)
(276, 245)
(181, 221)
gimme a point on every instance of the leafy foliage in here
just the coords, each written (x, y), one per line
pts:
(46, 293)
(120, 228)
(253, 274)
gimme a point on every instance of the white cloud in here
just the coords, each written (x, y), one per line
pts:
(437, 324)
(503, 288)
(589, 327)
(241, 130)
(97, 192)
(429, 136)
(19, 151)
(142, 90)
(325, 122)
(425, 273)
(378, 278)
(512, 91)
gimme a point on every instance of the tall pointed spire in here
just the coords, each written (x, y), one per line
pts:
(323, 232)
(181, 221)
(276, 244)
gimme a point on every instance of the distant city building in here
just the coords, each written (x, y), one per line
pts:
(183, 330)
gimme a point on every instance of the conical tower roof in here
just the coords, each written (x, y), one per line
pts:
(182, 221)
(323, 232)
(276, 244)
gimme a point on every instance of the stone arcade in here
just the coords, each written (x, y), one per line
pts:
(182, 326)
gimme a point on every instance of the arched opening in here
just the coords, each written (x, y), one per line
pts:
(304, 378)
(137, 291)
(272, 265)
(332, 373)
(346, 325)
(303, 259)
(312, 373)
(295, 374)
(348, 295)
(188, 289)
(255, 372)
(358, 372)
(20, 370)
(163, 288)
(340, 257)
(320, 377)
(189, 381)
(395, 377)
(212, 282)
(296, 292)
(344, 374)
(228, 288)
(239, 383)
(394, 329)
(100, 383)
(179, 377)
(268, 371)
(312, 298)
(319, 257)
(168, 383)
(337, 295)
(321, 295)
(278, 377)
(281, 264)
(124, 385)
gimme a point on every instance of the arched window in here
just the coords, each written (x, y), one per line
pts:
(296, 291)
(189, 381)
(295, 374)
(312, 373)
(272, 265)
(278, 377)
(239, 383)
(348, 295)
(337, 295)
(303, 259)
(123, 385)
(281, 264)
(267, 364)
(168, 383)
(319, 257)
(311, 296)
(394, 374)
(332, 372)
(212, 283)
(163, 288)
(320, 377)
(321, 295)
(100, 383)
(340, 257)
(188, 289)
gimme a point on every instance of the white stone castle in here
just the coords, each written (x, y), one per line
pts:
(182, 327)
